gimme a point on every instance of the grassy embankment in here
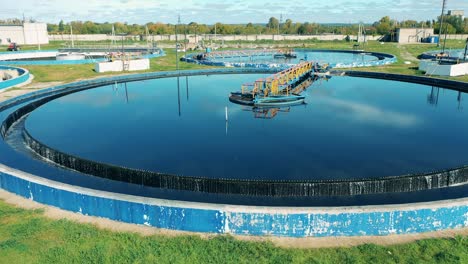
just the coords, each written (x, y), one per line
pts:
(27, 236)
(66, 73)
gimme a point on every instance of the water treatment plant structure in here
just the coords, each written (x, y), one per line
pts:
(325, 200)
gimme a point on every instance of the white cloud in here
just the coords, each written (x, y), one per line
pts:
(367, 113)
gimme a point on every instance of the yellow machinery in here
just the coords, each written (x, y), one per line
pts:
(278, 83)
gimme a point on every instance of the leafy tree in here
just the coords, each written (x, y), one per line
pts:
(61, 26)
(465, 26)
(192, 27)
(384, 25)
(288, 27)
(90, 28)
(52, 28)
(222, 29)
(447, 27)
(273, 24)
(456, 22)
(250, 29)
(306, 29)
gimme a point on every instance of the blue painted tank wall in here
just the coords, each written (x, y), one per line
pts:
(24, 76)
(240, 220)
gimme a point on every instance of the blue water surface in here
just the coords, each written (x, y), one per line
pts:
(349, 128)
(308, 55)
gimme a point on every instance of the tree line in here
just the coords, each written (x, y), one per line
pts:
(386, 25)
(451, 25)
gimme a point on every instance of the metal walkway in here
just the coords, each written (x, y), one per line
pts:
(248, 53)
(282, 82)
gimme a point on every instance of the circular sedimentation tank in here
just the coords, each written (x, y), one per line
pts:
(74, 56)
(449, 54)
(363, 156)
(13, 76)
(285, 58)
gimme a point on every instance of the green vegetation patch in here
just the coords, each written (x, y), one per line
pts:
(27, 236)
(409, 52)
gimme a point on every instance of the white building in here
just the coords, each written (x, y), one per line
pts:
(460, 13)
(413, 35)
(27, 33)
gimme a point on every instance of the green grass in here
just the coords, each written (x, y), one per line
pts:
(26, 236)
(67, 73)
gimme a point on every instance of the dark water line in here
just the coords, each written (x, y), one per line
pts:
(269, 188)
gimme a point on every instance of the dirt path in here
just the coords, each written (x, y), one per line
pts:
(405, 54)
(17, 91)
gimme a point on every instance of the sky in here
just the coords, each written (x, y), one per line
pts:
(227, 11)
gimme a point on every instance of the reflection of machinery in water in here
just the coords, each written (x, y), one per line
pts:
(123, 85)
(280, 89)
(269, 112)
(459, 100)
(433, 97)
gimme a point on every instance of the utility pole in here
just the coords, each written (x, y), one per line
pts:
(466, 50)
(122, 56)
(280, 22)
(185, 41)
(441, 21)
(37, 37)
(71, 35)
(176, 45)
(445, 38)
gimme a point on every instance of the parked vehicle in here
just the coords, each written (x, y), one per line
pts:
(13, 47)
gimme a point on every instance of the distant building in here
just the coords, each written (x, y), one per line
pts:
(26, 33)
(413, 35)
(460, 13)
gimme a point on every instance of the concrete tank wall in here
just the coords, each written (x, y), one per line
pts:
(240, 220)
(23, 76)
(24, 55)
(434, 68)
(119, 65)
